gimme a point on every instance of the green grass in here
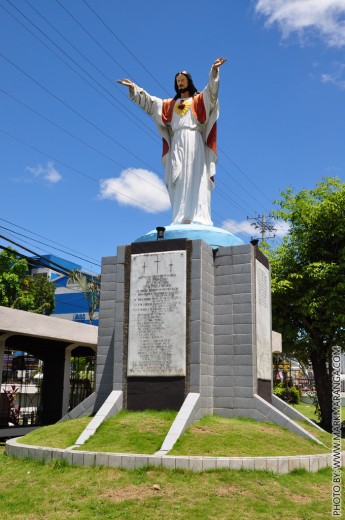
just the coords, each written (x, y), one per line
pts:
(127, 432)
(242, 437)
(144, 432)
(59, 435)
(307, 410)
(132, 432)
(31, 491)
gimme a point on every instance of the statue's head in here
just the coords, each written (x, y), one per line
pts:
(189, 86)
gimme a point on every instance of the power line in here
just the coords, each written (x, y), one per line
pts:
(264, 224)
(245, 175)
(32, 261)
(94, 39)
(125, 47)
(73, 110)
(78, 139)
(38, 263)
(55, 264)
(155, 79)
(129, 117)
(74, 169)
(45, 262)
(224, 195)
(85, 258)
(248, 193)
(15, 233)
(218, 191)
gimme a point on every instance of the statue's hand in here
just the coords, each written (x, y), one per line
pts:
(126, 82)
(218, 63)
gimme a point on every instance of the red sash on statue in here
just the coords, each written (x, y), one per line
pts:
(199, 112)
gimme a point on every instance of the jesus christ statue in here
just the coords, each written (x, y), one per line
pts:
(188, 127)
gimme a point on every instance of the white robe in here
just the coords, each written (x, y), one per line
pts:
(189, 163)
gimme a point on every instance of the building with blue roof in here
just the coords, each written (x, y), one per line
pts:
(70, 302)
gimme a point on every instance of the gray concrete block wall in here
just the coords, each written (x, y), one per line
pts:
(222, 327)
(234, 330)
(207, 330)
(120, 320)
(195, 324)
(223, 333)
(105, 349)
(244, 331)
(201, 325)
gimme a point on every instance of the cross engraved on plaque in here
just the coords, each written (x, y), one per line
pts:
(157, 262)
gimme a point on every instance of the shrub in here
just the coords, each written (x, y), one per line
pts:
(289, 394)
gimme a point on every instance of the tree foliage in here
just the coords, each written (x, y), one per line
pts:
(90, 286)
(308, 280)
(19, 290)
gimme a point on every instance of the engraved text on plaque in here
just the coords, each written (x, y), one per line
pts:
(157, 315)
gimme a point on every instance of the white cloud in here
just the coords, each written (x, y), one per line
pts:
(325, 17)
(136, 187)
(48, 173)
(282, 228)
(336, 76)
(238, 227)
(245, 226)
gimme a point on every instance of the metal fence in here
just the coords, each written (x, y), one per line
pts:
(22, 378)
(20, 396)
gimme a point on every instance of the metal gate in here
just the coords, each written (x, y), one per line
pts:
(82, 379)
(20, 396)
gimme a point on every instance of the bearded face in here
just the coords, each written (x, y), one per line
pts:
(182, 83)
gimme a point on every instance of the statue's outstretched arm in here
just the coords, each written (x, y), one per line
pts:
(126, 82)
(216, 64)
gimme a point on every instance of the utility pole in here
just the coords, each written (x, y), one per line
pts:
(264, 224)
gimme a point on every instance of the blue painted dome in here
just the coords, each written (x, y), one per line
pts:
(213, 236)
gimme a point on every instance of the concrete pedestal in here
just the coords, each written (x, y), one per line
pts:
(221, 329)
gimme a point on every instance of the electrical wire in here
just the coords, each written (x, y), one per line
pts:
(85, 257)
(89, 61)
(81, 140)
(75, 169)
(133, 118)
(94, 39)
(31, 261)
(125, 46)
(219, 190)
(15, 234)
(50, 262)
(155, 79)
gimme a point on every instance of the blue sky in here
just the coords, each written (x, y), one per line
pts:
(80, 163)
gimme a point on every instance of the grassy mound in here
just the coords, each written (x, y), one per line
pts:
(59, 435)
(241, 437)
(144, 432)
(132, 432)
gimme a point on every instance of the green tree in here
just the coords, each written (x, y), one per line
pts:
(20, 290)
(90, 286)
(38, 295)
(12, 274)
(308, 281)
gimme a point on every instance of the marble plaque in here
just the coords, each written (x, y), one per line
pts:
(263, 322)
(157, 315)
